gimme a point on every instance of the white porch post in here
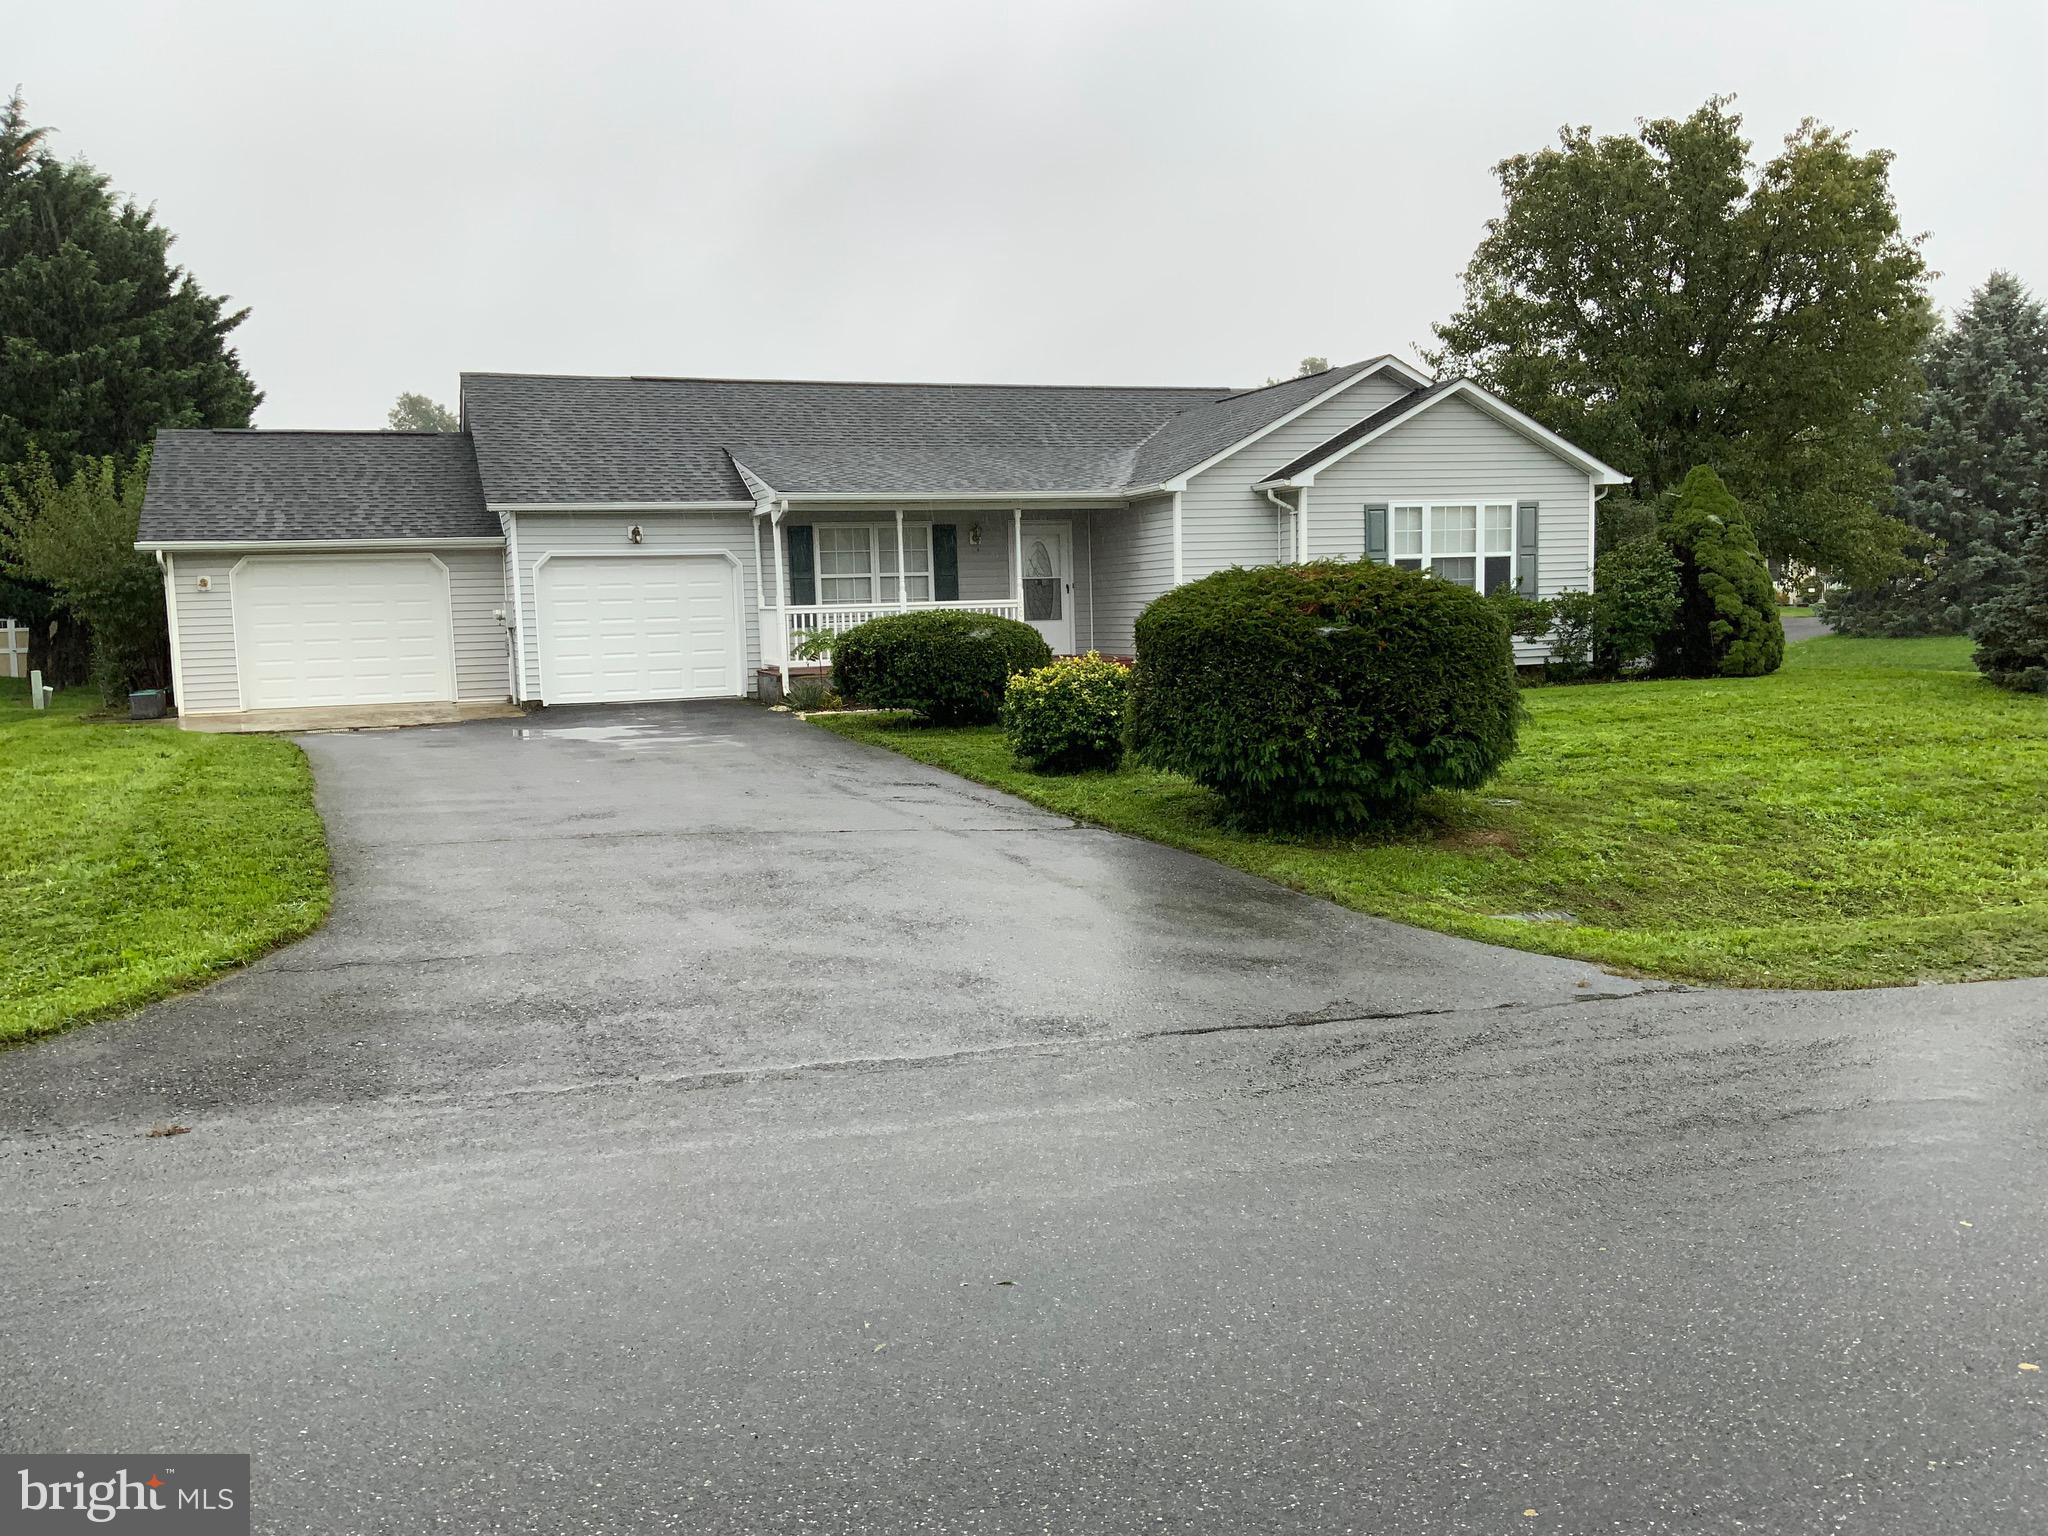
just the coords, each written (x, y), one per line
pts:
(1301, 524)
(902, 566)
(1017, 558)
(781, 595)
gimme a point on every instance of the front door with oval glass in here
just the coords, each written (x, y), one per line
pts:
(1049, 584)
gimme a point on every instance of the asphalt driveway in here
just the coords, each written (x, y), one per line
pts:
(604, 894)
(693, 1122)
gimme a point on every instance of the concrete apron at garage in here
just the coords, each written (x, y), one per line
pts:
(351, 717)
(622, 892)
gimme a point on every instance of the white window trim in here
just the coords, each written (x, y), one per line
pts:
(875, 574)
(1479, 554)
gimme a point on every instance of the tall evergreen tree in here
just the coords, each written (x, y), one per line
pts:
(1662, 301)
(2012, 629)
(105, 339)
(1977, 475)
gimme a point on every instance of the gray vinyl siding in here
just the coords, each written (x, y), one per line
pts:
(604, 533)
(1132, 563)
(206, 625)
(206, 635)
(476, 596)
(1451, 451)
(1224, 522)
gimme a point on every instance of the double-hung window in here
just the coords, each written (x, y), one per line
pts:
(858, 564)
(1469, 542)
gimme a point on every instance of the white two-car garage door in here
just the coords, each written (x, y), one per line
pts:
(622, 627)
(342, 629)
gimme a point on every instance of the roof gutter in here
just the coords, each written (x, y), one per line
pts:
(282, 546)
(940, 498)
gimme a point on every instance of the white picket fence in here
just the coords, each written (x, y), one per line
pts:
(13, 649)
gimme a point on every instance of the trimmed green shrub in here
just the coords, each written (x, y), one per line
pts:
(1728, 622)
(1527, 618)
(942, 665)
(1636, 602)
(1070, 715)
(1574, 626)
(1324, 696)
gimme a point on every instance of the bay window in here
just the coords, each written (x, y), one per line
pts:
(1469, 542)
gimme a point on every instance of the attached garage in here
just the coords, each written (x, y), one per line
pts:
(322, 630)
(328, 570)
(647, 626)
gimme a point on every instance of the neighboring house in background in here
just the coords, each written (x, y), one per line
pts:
(611, 539)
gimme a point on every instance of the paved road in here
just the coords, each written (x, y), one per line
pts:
(646, 1144)
(1803, 627)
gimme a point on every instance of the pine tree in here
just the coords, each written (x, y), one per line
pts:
(2012, 630)
(106, 340)
(1978, 473)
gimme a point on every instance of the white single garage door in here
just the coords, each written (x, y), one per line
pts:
(622, 627)
(342, 629)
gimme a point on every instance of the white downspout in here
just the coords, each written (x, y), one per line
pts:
(1017, 556)
(1280, 507)
(1179, 554)
(518, 609)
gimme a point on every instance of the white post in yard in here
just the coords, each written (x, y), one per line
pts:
(902, 566)
(38, 696)
(1017, 557)
(781, 596)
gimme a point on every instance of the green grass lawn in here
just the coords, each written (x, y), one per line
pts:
(1795, 612)
(1873, 813)
(137, 860)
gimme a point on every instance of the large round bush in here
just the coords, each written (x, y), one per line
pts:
(1070, 715)
(945, 666)
(1324, 696)
(1728, 624)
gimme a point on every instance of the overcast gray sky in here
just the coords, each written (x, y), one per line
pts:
(1087, 191)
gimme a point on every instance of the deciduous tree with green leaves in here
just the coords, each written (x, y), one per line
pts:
(1976, 476)
(415, 412)
(75, 535)
(1664, 302)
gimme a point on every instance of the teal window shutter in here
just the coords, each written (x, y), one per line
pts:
(1376, 531)
(945, 562)
(1525, 548)
(803, 569)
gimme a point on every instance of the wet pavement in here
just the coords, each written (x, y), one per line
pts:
(690, 1121)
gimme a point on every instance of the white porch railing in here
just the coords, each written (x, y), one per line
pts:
(801, 623)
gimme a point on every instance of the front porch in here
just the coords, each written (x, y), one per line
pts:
(823, 572)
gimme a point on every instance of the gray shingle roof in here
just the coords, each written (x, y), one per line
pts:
(1202, 432)
(543, 439)
(232, 486)
(1392, 411)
